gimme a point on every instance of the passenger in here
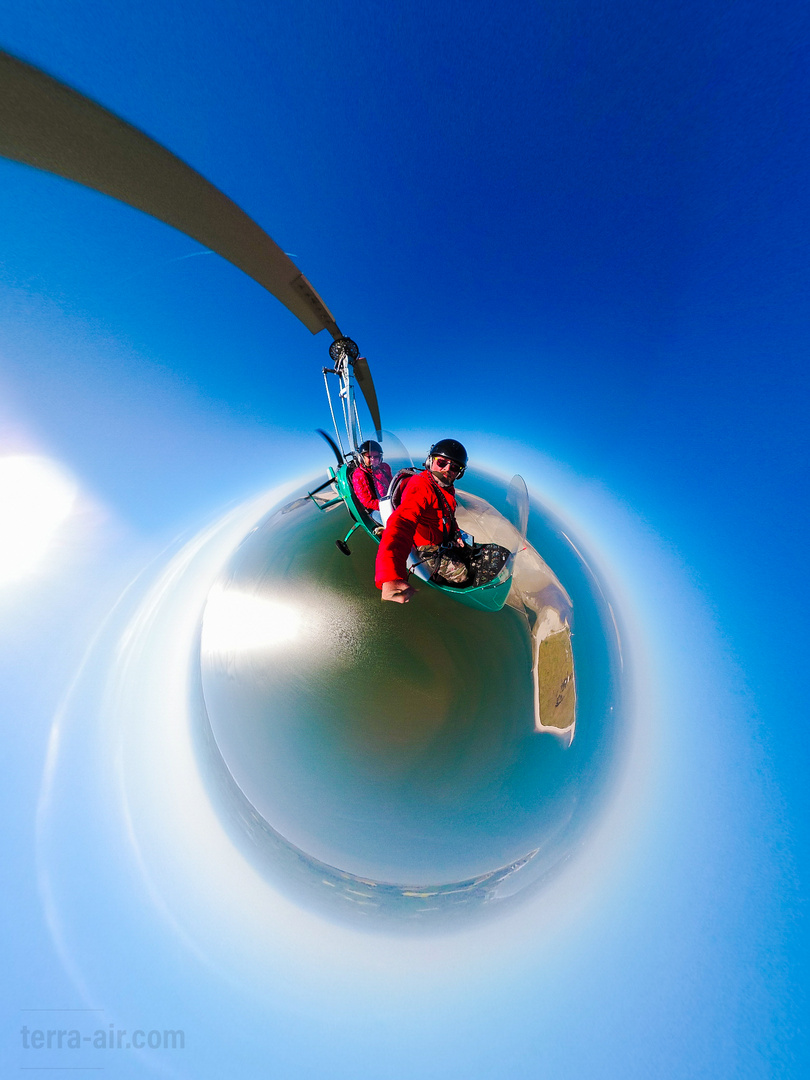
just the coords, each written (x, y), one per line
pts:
(371, 479)
(425, 519)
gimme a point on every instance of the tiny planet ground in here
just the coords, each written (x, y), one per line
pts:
(394, 746)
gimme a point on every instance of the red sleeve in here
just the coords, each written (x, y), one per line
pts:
(397, 540)
(361, 482)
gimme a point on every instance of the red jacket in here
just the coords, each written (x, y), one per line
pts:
(419, 519)
(361, 482)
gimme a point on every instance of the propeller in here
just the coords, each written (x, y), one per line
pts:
(52, 127)
(48, 125)
(364, 381)
(344, 351)
(333, 444)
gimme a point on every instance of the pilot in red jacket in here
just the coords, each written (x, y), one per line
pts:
(424, 519)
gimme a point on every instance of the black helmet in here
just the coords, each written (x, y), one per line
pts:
(370, 447)
(450, 448)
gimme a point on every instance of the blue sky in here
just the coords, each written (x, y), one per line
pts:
(575, 235)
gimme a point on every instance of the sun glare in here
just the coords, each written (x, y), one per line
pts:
(36, 497)
(240, 622)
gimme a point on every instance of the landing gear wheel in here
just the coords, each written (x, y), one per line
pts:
(341, 545)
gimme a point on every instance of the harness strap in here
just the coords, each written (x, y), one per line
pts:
(450, 532)
(372, 486)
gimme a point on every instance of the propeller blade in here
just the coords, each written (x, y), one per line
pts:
(46, 124)
(366, 384)
(333, 444)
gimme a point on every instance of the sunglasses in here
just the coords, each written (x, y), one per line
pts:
(374, 457)
(447, 463)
